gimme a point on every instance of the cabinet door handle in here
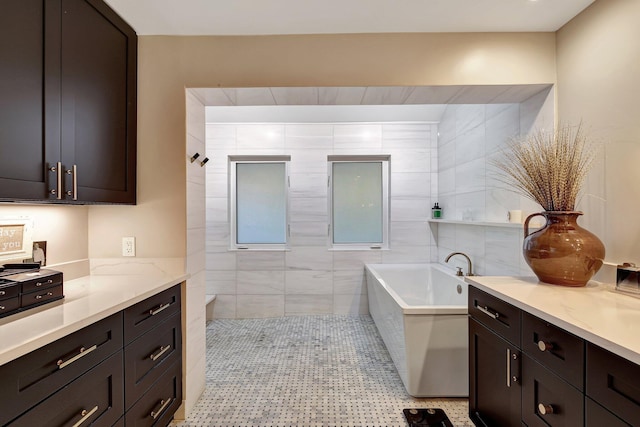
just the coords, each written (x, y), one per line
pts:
(508, 368)
(544, 346)
(488, 312)
(83, 352)
(74, 182)
(511, 378)
(48, 282)
(161, 307)
(85, 415)
(58, 170)
(48, 294)
(163, 350)
(163, 406)
(545, 409)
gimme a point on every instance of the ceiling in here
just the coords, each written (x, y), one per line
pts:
(268, 17)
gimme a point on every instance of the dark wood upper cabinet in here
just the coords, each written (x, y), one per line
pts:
(24, 155)
(68, 101)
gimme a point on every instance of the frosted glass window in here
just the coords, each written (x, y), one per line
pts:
(359, 203)
(259, 204)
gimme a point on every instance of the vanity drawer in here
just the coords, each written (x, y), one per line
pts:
(8, 306)
(547, 400)
(612, 381)
(555, 348)
(37, 375)
(95, 399)
(149, 356)
(145, 315)
(159, 404)
(597, 416)
(499, 316)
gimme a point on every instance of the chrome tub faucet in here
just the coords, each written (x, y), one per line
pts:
(469, 267)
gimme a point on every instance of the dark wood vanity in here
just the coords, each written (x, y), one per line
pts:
(125, 369)
(527, 371)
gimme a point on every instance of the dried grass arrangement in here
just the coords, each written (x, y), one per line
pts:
(548, 167)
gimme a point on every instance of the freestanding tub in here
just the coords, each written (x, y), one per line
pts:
(420, 311)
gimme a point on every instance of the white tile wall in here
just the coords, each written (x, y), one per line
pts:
(309, 278)
(195, 289)
(448, 163)
(468, 189)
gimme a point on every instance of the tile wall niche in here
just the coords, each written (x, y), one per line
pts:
(309, 278)
(470, 136)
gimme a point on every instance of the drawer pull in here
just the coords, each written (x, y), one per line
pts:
(85, 415)
(48, 282)
(159, 309)
(508, 367)
(2, 307)
(2, 293)
(163, 406)
(163, 350)
(544, 346)
(488, 312)
(545, 409)
(83, 352)
(48, 294)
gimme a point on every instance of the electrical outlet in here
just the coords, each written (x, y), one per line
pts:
(128, 246)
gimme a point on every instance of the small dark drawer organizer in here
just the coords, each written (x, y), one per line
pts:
(29, 288)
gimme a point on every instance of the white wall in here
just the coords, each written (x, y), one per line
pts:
(310, 279)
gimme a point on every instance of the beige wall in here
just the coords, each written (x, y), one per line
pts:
(599, 83)
(169, 64)
(63, 227)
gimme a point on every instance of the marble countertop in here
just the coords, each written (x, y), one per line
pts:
(87, 300)
(594, 312)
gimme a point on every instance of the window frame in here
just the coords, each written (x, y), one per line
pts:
(233, 200)
(385, 161)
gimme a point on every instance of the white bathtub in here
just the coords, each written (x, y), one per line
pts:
(420, 311)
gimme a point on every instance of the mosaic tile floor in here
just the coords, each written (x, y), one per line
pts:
(305, 372)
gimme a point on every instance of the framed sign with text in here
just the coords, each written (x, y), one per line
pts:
(15, 239)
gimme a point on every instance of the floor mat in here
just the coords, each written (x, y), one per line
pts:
(427, 417)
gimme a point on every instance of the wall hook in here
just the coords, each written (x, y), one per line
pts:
(204, 161)
(194, 157)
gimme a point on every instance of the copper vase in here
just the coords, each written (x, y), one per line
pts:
(562, 252)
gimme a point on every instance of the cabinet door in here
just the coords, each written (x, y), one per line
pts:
(494, 384)
(98, 98)
(28, 145)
